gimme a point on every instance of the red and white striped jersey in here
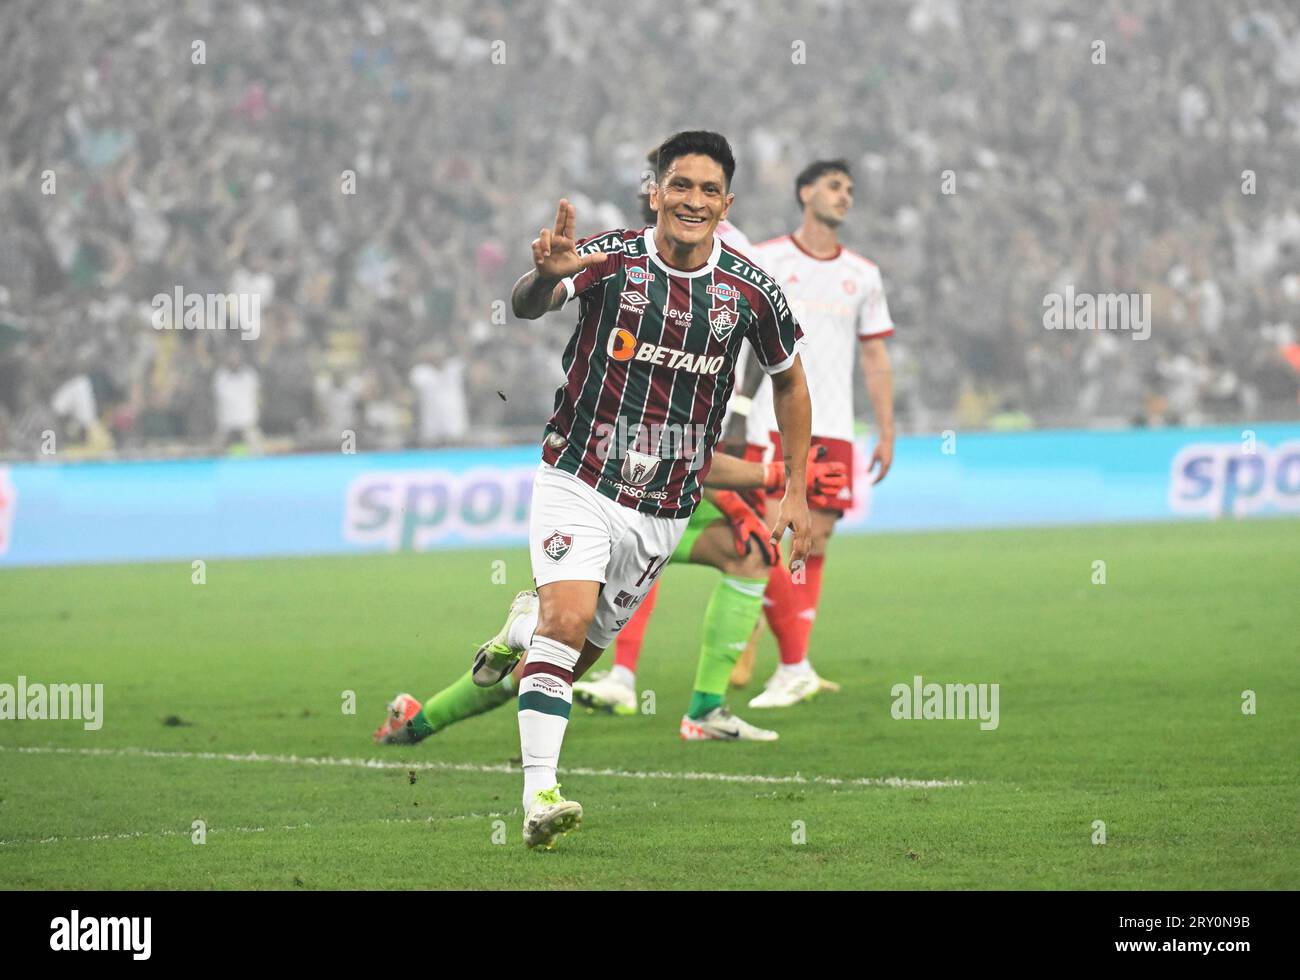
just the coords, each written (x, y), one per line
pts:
(838, 302)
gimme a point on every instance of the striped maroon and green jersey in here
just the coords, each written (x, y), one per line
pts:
(651, 364)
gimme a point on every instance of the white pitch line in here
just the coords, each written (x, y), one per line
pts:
(892, 782)
(133, 834)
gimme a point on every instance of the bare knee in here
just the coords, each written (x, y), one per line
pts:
(564, 625)
(749, 566)
(565, 611)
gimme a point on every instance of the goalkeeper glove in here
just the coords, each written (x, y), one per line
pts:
(747, 527)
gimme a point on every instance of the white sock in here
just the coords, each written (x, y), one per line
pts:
(545, 699)
(521, 632)
(536, 779)
(797, 670)
(624, 676)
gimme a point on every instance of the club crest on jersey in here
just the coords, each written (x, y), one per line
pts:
(557, 546)
(636, 275)
(723, 318)
(638, 468)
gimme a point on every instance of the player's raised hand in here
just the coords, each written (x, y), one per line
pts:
(554, 252)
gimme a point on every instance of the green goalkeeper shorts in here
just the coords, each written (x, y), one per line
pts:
(704, 515)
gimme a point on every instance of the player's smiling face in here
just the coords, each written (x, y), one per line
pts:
(690, 200)
(830, 197)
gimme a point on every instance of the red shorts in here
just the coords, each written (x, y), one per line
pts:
(837, 451)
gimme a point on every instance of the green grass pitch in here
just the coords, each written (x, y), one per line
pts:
(1119, 703)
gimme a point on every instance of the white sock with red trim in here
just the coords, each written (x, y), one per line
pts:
(545, 700)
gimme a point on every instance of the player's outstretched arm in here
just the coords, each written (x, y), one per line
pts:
(730, 472)
(794, 420)
(555, 255)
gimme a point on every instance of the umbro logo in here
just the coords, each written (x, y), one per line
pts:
(630, 301)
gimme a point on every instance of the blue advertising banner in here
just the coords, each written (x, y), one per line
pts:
(60, 513)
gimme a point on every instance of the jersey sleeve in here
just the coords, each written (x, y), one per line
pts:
(774, 332)
(873, 315)
(609, 242)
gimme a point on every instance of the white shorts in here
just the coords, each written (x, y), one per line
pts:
(578, 534)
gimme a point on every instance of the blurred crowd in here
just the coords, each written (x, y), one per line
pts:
(373, 173)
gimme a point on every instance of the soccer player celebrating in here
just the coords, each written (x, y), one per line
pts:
(839, 299)
(615, 690)
(617, 483)
(725, 532)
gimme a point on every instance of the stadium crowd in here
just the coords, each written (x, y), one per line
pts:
(373, 173)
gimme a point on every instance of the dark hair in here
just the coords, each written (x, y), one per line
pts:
(818, 168)
(700, 141)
